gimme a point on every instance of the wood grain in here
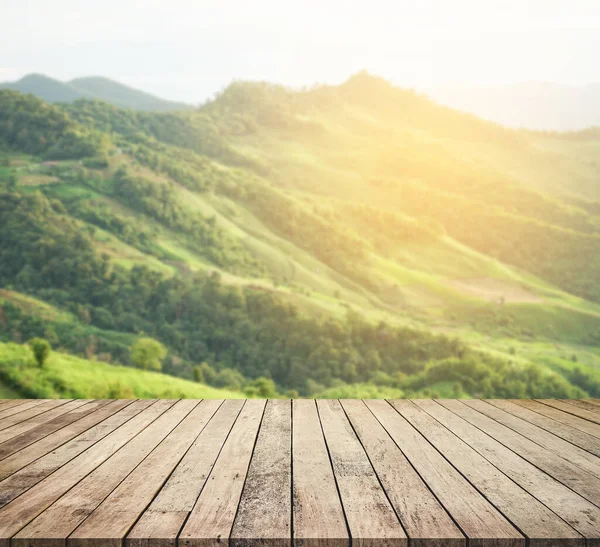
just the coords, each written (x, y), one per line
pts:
(318, 516)
(563, 470)
(575, 436)
(161, 523)
(115, 516)
(426, 521)
(79, 421)
(577, 456)
(543, 527)
(370, 516)
(591, 416)
(22, 510)
(478, 519)
(264, 516)
(579, 513)
(558, 415)
(21, 408)
(212, 517)
(77, 505)
(41, 418)
(20, 417)
(323, 473)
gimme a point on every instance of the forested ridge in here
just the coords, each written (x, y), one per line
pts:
(237, 236)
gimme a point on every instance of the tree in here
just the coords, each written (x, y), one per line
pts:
(261, 387)
(41, 350)
(204, 373)
(148, 354)
(229, 378)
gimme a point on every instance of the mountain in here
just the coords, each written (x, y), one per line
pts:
(94, 87)
(124, 96)
(345, 240)
(46, 88)
(532, 105)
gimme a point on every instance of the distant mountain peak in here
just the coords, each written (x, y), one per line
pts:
(91, 87)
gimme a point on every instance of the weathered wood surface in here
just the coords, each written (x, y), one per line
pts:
(308, 473)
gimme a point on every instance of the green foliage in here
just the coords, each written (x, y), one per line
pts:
(244, 333)
(263, 388)
(148, 354)
(29, 125)
(337, 201)
(205, 374)
(41, 350)
(333, 243)
(229, 378)
(495, 378)
(66, 376)
(162, 203)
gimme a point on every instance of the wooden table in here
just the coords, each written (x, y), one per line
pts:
(91, 473)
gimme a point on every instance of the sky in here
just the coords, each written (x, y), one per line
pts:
(190, 49)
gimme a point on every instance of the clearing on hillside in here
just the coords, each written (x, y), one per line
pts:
(495, 290)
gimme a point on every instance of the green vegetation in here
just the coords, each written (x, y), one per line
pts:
(345, 241)
(71, 377)
(41, 350)
(148, 354)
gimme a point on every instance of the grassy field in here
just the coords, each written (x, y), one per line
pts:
(66, 376)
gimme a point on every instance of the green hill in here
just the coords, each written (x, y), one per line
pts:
(349, 239)
(46, 88)
(66, 376)
(105, 89)
(93, 87)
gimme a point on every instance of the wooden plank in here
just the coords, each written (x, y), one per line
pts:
(111, 498)
(17, 409)
(481, 522)
(572, 409)
(582, 482)
(562, 500)
(10, 421)
(22, 510)
(369, 514)
(549, 441)
(318, 516)
(581, 514)
(542, 527)
(212, 517)
(160, 524)
(30, 446)
(579, 438)
(264, 516)
(18, 442)
(425, 520)
(560, 416)
(9, 403)
(40, 419)
(584, 404)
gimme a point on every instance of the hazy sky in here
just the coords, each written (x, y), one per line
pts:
(189, 49)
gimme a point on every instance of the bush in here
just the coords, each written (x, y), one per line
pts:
(41, 350)
(204, 374)
(229, 378)
(148, 354)
(261, 387)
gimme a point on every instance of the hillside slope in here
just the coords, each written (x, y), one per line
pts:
(349, 236)
(66, 376)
